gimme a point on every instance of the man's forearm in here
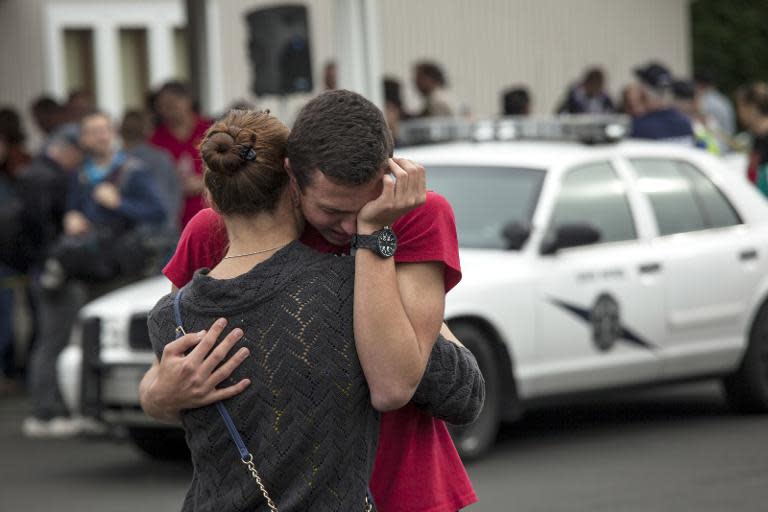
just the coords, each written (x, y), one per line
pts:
(453, 388)
(148, 403)
(389, 351)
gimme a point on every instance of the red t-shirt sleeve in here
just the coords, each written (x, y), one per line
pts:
(202, 245)
(428, 233)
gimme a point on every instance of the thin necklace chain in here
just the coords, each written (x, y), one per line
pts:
(255, 252)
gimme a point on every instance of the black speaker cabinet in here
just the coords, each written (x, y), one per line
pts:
(278, 47)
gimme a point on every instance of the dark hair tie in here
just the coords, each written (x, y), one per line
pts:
(248, 154)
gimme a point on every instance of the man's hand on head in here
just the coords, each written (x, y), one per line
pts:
(400, 194)
(189, 372)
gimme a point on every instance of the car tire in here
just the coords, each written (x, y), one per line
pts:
(747, 389)
(473, 440)
(160, 443)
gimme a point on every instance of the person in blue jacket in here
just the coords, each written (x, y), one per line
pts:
(113, 204)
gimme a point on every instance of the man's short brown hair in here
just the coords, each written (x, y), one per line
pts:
(341, 134)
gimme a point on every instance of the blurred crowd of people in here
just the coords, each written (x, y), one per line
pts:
(661, 106)
(101, 203)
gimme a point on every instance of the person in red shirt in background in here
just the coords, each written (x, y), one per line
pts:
(336, 169)
(179, 131)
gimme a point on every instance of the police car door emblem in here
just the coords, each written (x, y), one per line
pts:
(606, 322)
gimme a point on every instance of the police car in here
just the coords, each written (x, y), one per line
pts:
(589, 263)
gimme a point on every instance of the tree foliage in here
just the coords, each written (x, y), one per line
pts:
(730, 40)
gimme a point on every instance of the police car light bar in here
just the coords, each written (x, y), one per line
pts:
(587, 129)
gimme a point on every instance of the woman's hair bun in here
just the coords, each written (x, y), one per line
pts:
(244, 153)
(221, 154)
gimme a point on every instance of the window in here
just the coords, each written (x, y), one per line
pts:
(486, 199)
(718, 211)
(594, 194)
(78, 55)
(134, 61)
(181, 54)
(682, 197)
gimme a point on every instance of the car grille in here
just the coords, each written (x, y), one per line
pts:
(138, 333)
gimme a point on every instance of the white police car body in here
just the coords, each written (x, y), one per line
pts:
(672, 289)
(585, 267)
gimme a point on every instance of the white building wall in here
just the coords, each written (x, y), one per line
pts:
(33, 60)
(21, 60)
(486, 45)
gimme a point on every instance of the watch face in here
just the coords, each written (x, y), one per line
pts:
(387, 241)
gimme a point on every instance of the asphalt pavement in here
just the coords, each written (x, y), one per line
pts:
(674, 450)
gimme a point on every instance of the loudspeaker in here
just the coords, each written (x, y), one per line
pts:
(279, 50)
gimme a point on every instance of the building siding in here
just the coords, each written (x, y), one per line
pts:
(484, 46)
(487, 45)
(22, 59)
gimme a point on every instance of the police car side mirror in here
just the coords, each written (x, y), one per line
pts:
(515, 234)
(570, 235)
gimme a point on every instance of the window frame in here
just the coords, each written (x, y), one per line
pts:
(627, 192)
(680, 164)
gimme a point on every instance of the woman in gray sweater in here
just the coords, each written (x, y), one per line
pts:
(306, 419)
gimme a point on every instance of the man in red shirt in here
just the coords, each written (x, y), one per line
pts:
(335, 168)
(180, 132)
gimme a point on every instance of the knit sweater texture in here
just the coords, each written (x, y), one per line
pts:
(306, 416)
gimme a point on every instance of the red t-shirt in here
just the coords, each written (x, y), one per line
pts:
(417, 468)
(187, 158)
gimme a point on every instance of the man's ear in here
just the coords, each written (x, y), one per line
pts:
(293, 186)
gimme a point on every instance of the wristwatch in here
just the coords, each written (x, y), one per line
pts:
(382, 242)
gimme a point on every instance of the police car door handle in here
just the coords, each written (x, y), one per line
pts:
(650, 268)
(748, 255)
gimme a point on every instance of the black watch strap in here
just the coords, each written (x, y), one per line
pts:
(382, 242)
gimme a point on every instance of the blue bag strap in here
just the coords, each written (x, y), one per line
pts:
(177, 314)
(223, 412)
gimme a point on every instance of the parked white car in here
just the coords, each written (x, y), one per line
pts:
(585, 268)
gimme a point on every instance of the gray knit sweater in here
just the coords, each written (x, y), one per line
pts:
(307, 416)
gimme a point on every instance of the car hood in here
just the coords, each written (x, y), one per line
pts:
(138, 297)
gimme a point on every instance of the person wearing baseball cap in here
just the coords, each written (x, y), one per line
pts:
(661, 121)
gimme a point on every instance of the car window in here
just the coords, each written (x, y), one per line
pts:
(683, 199)
(486, 199)
(594, 194)
(718, 211)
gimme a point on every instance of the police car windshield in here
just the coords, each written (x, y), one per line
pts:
(486, 200)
